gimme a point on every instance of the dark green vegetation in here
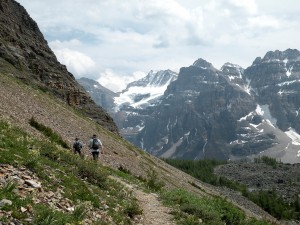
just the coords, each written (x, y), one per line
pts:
(268, 200)
(267, 160)
(48, 132)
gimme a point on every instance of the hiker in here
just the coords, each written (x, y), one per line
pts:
(77, 146)
(95, 146)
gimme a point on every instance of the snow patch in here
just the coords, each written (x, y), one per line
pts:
(245, 117)
(150, 93)
(265, 109)
(248, 88)
(291, 133)
(287, 83)
(259, 111)
(238, 142)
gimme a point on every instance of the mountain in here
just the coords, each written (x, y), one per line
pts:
(42, 182)
(146, 91)
(137, 100)
(101, 95)
(204, 112)
(23, 47)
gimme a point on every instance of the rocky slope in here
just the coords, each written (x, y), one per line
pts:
(284, 178)
(23, 46)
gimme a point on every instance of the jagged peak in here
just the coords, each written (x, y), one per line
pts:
(155, 78)
(232, 69)
(289, 54)
(203, 64)
(231, 65)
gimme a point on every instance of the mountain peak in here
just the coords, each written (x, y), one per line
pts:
(290, 54)
(155, 78)
(146, 91)
(203, 64)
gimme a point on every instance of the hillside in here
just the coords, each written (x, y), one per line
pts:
(19, 103)
(23, 46)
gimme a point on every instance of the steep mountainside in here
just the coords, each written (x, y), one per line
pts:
(23, 46)
(275, 79)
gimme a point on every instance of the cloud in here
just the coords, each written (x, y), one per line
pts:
(115, 82)
(77, 62)
(117, 38)
(249, 5)
(264, 21)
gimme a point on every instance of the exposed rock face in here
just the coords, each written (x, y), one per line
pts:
(23, 46)
(198, 114)
(227, 114)
(276, 81)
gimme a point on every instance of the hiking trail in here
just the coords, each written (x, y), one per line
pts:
(154, 213)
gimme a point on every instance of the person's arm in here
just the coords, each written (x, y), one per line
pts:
(102, 147)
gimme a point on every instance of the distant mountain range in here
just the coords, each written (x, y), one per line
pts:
(203, 112)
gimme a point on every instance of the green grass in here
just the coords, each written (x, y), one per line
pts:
(268, 200)
(84, 182)
(193, 210)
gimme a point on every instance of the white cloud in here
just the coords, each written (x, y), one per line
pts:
(113, 39)
(264, 21)
(115, 82)
(77, 62)
(248, 5)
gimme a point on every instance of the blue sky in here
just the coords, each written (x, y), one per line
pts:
(116, 42)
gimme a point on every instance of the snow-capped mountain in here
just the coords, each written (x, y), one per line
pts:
(204, 112)
(146, 91)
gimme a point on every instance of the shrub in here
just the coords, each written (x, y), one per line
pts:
(153, 182)
(48, 132)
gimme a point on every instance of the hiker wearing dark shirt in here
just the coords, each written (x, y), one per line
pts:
(77, 146)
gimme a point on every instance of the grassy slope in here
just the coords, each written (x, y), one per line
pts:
(19, 103)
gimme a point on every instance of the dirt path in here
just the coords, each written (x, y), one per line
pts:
(154, 213)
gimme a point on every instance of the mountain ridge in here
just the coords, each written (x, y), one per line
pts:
(263, 95)
(23, 46)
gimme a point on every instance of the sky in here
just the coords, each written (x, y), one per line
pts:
(116, 42)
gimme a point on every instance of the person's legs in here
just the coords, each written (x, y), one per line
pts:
(77, 151)
(95, 155)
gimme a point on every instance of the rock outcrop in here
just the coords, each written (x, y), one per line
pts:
(24, 47)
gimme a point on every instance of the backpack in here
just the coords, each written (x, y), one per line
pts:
(96, 144)
(77, 145)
